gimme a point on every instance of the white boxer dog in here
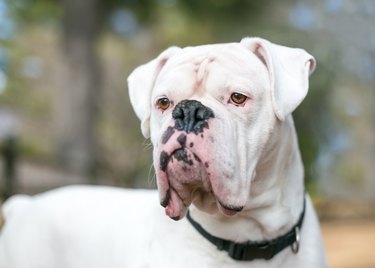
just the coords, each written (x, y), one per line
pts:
(228, 170)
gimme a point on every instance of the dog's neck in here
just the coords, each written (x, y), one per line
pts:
(275, 198)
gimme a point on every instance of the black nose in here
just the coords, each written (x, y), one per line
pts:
(191, 116)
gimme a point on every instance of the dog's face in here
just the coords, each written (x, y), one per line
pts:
(210, 112)
(207, 141)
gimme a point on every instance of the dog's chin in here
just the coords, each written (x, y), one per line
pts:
(229, 210)
(208, 203)
(176, 207)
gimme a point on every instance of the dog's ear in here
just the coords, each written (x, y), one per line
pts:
(140, 84)
(289, 70)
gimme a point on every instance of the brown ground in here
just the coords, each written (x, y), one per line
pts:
(349, 244)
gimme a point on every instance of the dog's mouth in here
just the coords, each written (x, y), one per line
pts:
(186, 175)
(189, 170)
(188, 179)
(176, 208)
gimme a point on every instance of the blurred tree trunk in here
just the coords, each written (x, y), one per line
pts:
(77, 101)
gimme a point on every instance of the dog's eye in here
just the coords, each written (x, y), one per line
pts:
(163, 103)
(238, 98)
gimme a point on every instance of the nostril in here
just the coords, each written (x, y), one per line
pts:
(178, 113)
(179, 124)
(200, 115)
(178, 116)
(203, 113)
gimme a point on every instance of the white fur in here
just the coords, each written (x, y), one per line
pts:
(289, 70)
(254, 146)
(141, 81)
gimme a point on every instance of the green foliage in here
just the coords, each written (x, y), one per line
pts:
(313, 120)
(35, 11)
(223, 11)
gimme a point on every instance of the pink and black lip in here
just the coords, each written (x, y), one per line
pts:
(190, 118)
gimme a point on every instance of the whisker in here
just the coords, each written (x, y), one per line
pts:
(147, 145)
(151, 176)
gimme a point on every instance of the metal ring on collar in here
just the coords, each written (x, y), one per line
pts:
(295, 245)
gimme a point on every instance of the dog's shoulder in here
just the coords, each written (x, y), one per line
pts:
(78, 205)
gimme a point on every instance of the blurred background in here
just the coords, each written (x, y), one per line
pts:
(65, 116)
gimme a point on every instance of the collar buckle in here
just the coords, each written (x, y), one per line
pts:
(267, 250)
(236, 251)
(251, 251)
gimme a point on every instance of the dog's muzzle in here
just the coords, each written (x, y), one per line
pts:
(184, 158)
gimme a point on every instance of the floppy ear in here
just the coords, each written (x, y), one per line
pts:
(140, 84)
(289, 70)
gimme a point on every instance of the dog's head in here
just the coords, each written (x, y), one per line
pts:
(210, 112)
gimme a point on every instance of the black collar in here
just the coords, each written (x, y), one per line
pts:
(251, 250)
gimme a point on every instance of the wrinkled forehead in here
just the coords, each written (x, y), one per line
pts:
(220, 65)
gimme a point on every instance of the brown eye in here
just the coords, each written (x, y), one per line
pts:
(163, 103)
(238, 98)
